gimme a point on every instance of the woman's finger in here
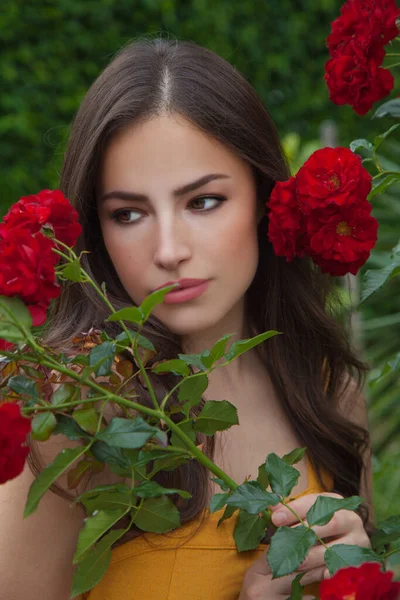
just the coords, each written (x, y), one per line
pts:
(282, 515)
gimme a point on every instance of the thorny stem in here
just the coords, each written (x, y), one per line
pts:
(303, 523)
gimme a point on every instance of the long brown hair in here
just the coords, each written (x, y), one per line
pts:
(155, 76)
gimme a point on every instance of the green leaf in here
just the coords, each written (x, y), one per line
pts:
(123, 340)
(382, 183)
(93, 567)
(242, 346)
(194, 360)
(117, 496)
(218, 350)
(102, 357)
(94, 528)
(49, 475)
(217, 502)
(389, 531)
(382, 137)
(146, 456)
(263, 478)
(158, 515)
(152, 489)
(282, 477)
(390, 365)
(388, 109)
(65, 393)
(289, 547)
(229, 511)
(176, 366)
(127, 433)
(216, 415)
(114, 457)
(43, 425)
(154, 299)
(133, 314)
(294, 456)
(23, 385)
(252, 498)
(224, 487)
(68, 427)
(376, 278)
(12, 312)
(87, 419)
(186, 427)
(297, 588)
(169, 463)
(323, 509)
(72, 271)
(358, 144)
(192, 389)
(346, 555)
(249, 531)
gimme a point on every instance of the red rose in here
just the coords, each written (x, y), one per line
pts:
(48, 207)
(341, 238)
(27, 270)
(357, 82)
(366, 582)
(332, 176)
(286, 222)
(13, 431)
(4, 345)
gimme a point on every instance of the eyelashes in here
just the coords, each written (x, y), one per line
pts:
(118, 215)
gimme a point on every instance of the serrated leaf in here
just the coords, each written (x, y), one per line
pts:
(72, 271)
(127, 433)
(77, 473)
(218, 350)
(294, 456)
(252, 498)
(388, 109)
(229, 511)
(154, 299)
(152, 489)
(49, 475)
(23, 386)
(388, 532)
(93, 567)
(217, 502)
(376, 278)
(263, 478)
(323, 509)
(216, 415)
(169, 463)
(102, 357)
(282, 477)
(94, 527)
(249, 531)
(224, 487)
(68, 427)
(175, 365)
(43, 425)
(114, 457)
(107, 497)
(345, 555)
(192, 389)
(65, 393)
(242, 346)
(87, 419)
(361, 143)
(13, 311)
(289, 547)
(133, 314)
(157, 515)
(382, 183)
(194, 360)
(380, 138)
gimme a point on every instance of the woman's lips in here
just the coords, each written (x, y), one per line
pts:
(184, 294)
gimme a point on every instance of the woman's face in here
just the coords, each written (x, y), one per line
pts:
(163, 233)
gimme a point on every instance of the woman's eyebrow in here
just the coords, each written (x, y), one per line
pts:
(181, 191)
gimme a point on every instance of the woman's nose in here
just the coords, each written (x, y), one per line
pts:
(172, 244)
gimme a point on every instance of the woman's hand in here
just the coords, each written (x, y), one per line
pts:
(345, 527)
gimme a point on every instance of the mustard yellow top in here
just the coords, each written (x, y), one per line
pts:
(176, 566)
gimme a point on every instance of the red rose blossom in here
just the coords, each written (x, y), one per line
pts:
(4, 345)
(48, 207)
(366, 582)
(332, 176)
(13, 431)
(340, 238)
(286, 222)
(27, 270)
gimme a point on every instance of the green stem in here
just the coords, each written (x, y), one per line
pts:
(386, 173)
(391, 552)
(394, 65)
(393, 54)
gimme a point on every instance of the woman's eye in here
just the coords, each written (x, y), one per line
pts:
(126, 216)
(205, 203)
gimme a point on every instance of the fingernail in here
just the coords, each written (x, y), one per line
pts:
(279, 518)
(326, 574)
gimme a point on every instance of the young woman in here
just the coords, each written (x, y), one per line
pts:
(171, 160)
